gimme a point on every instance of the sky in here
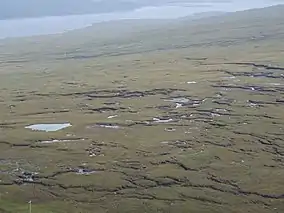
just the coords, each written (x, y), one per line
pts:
(158, 9)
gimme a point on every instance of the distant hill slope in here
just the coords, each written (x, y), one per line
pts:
(140, 36)
(203, 15)
(160, 34)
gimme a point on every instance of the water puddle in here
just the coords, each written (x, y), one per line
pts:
(178, 105)
(252, 105)
(28, 176)
(275, 84)
(157, 120)
(165, 142)
(191, 82)
(104, 125)
(85, 172)
(215, 115)
(179, 100)
(230, 77)
(48, 127)
(60, 141)
(110, 126)
(221, 110)
(170, 129)
(195, 104)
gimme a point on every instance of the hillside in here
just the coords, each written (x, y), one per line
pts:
(138, 36)
(145, 116)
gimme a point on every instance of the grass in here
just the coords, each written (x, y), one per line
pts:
(224, 155)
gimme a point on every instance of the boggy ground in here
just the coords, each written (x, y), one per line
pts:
(181, 130)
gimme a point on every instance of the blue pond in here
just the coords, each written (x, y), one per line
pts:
(48, 127)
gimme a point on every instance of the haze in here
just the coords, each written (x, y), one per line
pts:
(37, 17)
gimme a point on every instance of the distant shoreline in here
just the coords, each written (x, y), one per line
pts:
(13, 28)
(15, 12)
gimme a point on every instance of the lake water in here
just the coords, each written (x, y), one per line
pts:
(48, 127)
(51, 25)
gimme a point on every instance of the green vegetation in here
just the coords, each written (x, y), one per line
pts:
(220, 151)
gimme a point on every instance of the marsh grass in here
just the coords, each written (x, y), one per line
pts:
(225, 155)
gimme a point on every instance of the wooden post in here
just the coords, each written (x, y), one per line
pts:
(30, 206)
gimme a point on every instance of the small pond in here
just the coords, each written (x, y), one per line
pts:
(48, 127)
